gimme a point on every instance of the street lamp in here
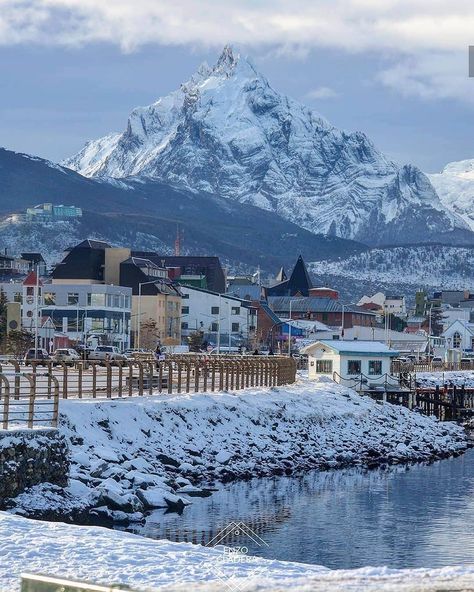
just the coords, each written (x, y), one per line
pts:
(289, 324)
(140, 307)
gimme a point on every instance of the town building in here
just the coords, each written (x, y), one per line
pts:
(324, 292)
(48, 211)
(222, 319)
(201, 272)
(81, 313)
(13, 268)
(329, 311)
(156, 303)
(459, 336)
(385, 304)
(349, 360)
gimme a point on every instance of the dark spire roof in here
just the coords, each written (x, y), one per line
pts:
(281, 275)
(299, 281)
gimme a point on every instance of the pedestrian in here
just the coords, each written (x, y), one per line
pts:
(256, 352)
(270, 352)
(157, 355)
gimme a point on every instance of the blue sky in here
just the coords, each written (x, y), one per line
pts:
(72, 72)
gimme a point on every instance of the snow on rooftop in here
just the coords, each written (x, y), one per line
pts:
(356, 346)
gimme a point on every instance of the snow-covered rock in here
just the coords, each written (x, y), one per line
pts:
(111, 557)
(227, 131)
(255, 432)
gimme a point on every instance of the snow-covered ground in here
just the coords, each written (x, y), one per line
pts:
(457, 378)
(132, 455)
(104, 556)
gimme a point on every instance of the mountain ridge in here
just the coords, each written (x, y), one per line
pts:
(239, 233)
(226, 131)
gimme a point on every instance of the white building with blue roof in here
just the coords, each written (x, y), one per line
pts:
(348, 360)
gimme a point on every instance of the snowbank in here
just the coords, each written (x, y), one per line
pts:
(131, 455)
(104, 556)
(456, 378)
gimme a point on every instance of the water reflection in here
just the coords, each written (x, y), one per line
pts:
(402, 517)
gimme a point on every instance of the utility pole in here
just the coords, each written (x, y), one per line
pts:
(219, 326)
(230, 325)
(36, 311)
(342, 321)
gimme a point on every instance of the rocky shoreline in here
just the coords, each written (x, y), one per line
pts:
(132, 456)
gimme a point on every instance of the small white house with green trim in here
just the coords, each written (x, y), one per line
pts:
(348, 360)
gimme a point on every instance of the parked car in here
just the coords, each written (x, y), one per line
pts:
(66, 355)
(437, 361)
(106, 353)
(39, 355)
(137, 354)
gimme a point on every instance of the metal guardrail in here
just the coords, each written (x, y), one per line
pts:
(363, 382)
(40, 583)
(45, 382)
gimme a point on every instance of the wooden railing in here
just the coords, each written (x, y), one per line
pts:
(28, 400)
(176, 374)
(398, 367)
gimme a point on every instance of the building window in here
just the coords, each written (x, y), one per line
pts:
(354, 367)
(18, 297)
(456, 340)
(185, 310)
(214, 327)
(375, 367)
(235, 327)
(236, 310)
(30, 291)
(97, 324)
(72, 298)
(72, 325)
(95, 299)
(184, 296)
(49, 298)
(214, 310)
(323, 366)
(324, 317)
(184, 325)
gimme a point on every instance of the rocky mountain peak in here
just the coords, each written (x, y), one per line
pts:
(228, 132)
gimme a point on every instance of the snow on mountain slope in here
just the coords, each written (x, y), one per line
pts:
(432, 266)
(227, 131)
(455, 187)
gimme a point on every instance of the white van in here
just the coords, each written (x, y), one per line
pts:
(175, 349)
(225, 350)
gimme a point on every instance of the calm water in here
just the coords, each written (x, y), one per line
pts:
(421, 516)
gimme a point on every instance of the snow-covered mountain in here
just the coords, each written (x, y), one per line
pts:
(455, 187)
(228, 132)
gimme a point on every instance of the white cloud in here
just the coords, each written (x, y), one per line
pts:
(322, 92)
(417, 35)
